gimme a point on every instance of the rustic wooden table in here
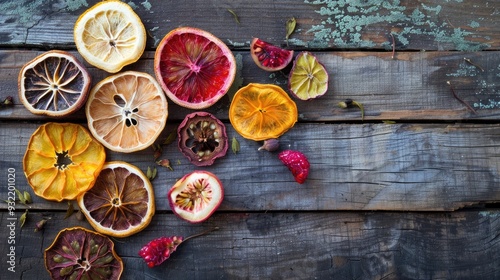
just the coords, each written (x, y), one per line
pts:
(410, 192)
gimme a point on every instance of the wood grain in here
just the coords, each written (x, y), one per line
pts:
(410, 167)
(411, 87)
(465, 25)
(275, 245)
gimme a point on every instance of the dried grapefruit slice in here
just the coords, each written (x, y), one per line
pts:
(62, 161)
(308, 78)
(55, 83)
(127, 111)
(194, 67)
(121, 202)
(262, 111)
(78, 253)
(110, 35)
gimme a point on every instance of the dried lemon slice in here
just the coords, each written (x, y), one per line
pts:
(308, 78)
(121, 202)
(62, 161)
(55, 83)
(110, 35)
(127, 111)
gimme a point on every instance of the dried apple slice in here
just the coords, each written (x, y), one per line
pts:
(196, 196)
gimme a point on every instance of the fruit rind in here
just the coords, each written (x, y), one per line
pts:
(217, 195)
(309, 75)
(162, 73)
(139, 43)
(150, 200)
(86, 80)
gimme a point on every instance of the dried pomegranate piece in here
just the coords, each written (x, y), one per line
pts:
(268, 56)
(297, 163)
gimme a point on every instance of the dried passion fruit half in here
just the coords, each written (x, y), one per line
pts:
(262, 111)
(127, 111)
(55, 84)
(62, 161)
(308, 78)
(78, 253)
(202, 138)
(269, 57)
(196, 196)
(121, 202)
(194, 67)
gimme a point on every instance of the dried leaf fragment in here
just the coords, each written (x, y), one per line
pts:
(70, 210)
(290, 27)
(151, 173)
(235, 145)
(234, 15)
(40, 224)
(23, 217)
(349, 103)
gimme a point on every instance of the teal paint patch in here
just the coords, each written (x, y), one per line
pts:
(146, 5)
(474, 24)
(30, 12)
(73, 5)
(343, 24)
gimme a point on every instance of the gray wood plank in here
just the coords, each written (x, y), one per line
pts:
(328, 245)
(416, 25)
(408, 167)
(411, 87)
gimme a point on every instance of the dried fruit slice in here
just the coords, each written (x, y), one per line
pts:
(262, 111)
(308, 78)
(62, 161)
(121, 203)
(196, 196)
(194, 67)
(110, 35)
(78, 253)
(126, 112)
(297, 163)
(55, 84)
(202, 138)
(269, 57)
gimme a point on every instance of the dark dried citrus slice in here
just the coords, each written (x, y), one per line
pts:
(78, 253)
(55, 83)
(121, 202)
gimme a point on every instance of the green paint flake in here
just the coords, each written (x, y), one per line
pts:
(73, 5)
(343, 24)
(31, 12)
(146, 5)
(474, 24)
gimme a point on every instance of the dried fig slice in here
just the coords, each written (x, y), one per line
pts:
(78, 253)
(196, 196)
(269, 57)
(202, 138)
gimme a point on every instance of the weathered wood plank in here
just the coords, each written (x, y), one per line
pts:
(342, 245)
(427, 24)
(411, 87)
(421, 167)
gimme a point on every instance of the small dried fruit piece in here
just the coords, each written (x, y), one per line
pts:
(62, 161)
(308, 78)
(262, 111)
(269, 57)
(270, 145)
(121, 203)
(78, 253)
(202, 138)
(297, 163)
(55, 84)
(196, 196)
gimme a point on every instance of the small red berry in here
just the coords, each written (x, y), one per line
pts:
(297, 163)
(158, 250)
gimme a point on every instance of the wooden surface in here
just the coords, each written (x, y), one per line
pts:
(410, 192)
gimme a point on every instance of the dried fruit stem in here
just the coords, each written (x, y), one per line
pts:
(393, 46)
(473, 64)
(460, 99)
(200, 234)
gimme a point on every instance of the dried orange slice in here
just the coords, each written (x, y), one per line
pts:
(194, 67)
(308, 78)
(110, 35)
(262, 111)
(127, 111)
(55, 83)
(78, 253)
(62, 161)
(121, 202)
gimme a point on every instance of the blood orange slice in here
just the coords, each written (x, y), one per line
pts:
(194, 67)
(121, 202)
(262, 111)
(55, 83)
(126, 112)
